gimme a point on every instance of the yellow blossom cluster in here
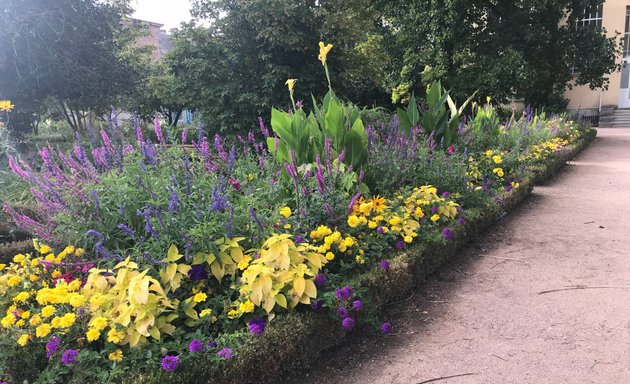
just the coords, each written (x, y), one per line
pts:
(402, 216)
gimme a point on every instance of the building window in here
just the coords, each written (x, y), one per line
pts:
(626, 39)
(592, 17)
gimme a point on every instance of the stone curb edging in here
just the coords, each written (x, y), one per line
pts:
(294, 340)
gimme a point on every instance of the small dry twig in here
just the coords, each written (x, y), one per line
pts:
(447, 377)
(498, 357)
(401, 301)
(580, 286)
(507, 259)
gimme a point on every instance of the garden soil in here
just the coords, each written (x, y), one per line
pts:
(542, 297)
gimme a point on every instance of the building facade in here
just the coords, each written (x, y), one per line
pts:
(614, 17)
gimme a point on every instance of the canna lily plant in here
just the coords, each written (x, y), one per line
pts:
(301, 136)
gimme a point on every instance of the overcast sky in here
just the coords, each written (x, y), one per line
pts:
(167, 12)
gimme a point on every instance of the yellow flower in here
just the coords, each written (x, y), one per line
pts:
(35, 320)
(408, 239)
(92, 335)
(246, 307)
(330, 256)
(21, 297)
(290, 83)
(56, 322)
(348, 241)
(287, 226)
(44, 249)
(394, 220)
(23, 340)
(244, 263)
(79, 252)
(205, 312)
(353, 221)
(68, 320)
(497, 159)
(18, 258)
(14, 280)
(43, 330)
(76, 300)
(232, 314)
(8, 321)
(286, 212)
(20, 323)
(69, 249)
(99, 323)
(48, 311)
(498, 171)
(117, 355)
(435, 217)
(6, 106)
(74, 285)
(2, 266)
(323, 51)
(378, 204)
(372, 224)
(489, 153)
(25, 315)
(359, 259)
(200, 297)
(114, 336)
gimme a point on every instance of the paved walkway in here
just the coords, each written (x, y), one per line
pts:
(485, 315)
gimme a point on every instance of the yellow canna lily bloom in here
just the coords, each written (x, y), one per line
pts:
(6, 106)
(291, 83)
(323, 51)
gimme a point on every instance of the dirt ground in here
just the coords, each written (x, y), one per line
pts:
(486, 318)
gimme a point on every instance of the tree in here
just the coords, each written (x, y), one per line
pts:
(507, 49)
(235, 70)
(67, 51)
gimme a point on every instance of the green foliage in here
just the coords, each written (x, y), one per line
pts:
(507, 49)
(304, 135)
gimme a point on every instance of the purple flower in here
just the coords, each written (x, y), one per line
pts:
(357, 305)
(450, 150)
(257, 326)
(384, 264)
(460, 221)
(380, 230)
(342, 312)
(320, 280)
(508, 188)
(52, 346)
(212, 344)
(446, 195)
(195, 346)
(400, 244)
(386, 328)
(344, 293)
(299, 239)
(225, 353)
(69, 356)
(157, 126)
(170, 363)
(348, 323)
(197, 272)
(447, 234)
(434, 209)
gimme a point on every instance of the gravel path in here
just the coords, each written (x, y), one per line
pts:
(484, 314)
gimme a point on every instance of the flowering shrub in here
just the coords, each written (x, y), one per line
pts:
(183, 253)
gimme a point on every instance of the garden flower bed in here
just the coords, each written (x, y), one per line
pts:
(155, 262)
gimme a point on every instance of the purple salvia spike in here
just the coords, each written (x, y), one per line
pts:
(157, 126)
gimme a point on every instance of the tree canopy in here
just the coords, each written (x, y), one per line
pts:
(71, 52)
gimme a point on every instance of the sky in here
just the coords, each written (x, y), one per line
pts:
(167, 12)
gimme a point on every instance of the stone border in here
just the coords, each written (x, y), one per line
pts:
(292, 341)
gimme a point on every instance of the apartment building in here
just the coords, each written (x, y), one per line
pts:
(614, 16)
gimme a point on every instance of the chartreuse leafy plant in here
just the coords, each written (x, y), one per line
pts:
(302, 136)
